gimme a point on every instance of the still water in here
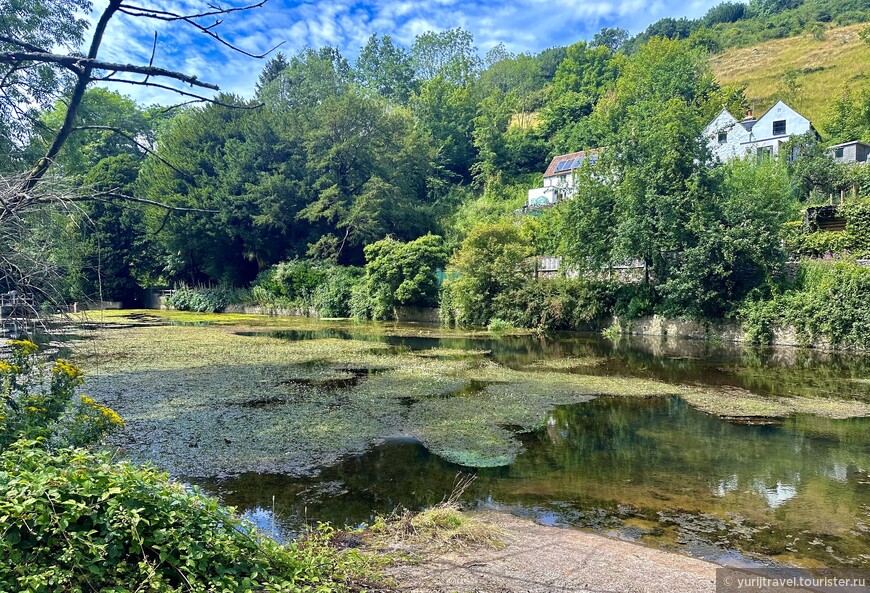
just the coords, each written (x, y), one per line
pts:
(655, 470)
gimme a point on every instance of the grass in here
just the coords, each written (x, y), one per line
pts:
(825, 69)
(442, 526)
(205, 401)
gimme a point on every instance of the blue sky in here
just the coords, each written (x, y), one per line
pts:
(522, 25)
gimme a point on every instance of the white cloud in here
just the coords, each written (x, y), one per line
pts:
(522, 25)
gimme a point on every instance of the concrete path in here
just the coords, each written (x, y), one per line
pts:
(539, 559)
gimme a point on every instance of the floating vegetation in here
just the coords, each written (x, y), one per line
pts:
(219, 398)
(567, 364)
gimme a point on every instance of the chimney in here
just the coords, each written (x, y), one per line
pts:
(749, 116)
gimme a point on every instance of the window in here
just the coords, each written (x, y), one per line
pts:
(779, 128)
(723, 137)
(838, 153)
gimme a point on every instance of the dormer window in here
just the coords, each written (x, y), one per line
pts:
(779, 128)
(723, 137)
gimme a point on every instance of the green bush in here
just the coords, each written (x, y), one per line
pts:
(297, 279)
(303, 284)
(855, 240)
(360, 305)
(332, 298)
(401, 274)
(206, 299)
(556, 304)
(829, 301)
(77, 522)
(497, 325)
(857, 214)
(491, 264)
(635, 300)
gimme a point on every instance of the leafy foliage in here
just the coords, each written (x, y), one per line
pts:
(206, 299)
(39, 23)
(493, 260)
(557, 304)
(827, 302)
(77, 521)
(402, 274)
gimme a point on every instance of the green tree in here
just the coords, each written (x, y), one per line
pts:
(49, 24)
(493, 260)
(271, 70)
(108, 124)
(612, 38)
(386, 68)
(446, 113)
(580, 81)
(232, 161)
(849, 117)
(106, 248)
(449, 54)
(735, 249)
(654, 120)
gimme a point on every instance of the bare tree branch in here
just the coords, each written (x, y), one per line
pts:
(163, 15)
(104, 196)
(140, 145)
(85, 67)
(196, 98)
(78, 64)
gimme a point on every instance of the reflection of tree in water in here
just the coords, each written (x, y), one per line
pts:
(753, 487)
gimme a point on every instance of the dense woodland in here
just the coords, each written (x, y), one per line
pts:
(345, 185)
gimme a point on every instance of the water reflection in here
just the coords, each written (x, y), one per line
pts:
(655, 470)
(764, 371)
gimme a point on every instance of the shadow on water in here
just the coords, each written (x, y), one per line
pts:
(651, 470)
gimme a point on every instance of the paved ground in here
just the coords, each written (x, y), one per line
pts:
(538, 559)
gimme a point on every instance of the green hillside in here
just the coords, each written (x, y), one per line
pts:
(804, 71)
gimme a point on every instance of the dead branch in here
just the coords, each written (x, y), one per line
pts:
(86, 69)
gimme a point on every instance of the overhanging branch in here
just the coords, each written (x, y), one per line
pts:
(79, 63)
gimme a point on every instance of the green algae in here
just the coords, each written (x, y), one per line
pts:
(202, 395)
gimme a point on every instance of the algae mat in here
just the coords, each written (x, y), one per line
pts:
(211, 397)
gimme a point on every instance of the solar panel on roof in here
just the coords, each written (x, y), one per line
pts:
(578, 162)
(562, 166)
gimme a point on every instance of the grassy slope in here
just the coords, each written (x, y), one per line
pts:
(826, 68)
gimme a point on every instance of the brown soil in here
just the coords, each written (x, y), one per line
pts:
(539, 559)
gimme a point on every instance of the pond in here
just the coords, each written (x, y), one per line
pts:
(620, 445)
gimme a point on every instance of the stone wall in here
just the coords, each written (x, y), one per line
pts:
(656, 325)
(276, 311)
(418, 314)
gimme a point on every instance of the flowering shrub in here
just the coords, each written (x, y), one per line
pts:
(38, 404)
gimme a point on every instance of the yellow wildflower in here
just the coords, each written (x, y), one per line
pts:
(63, 367)
(111, 415)
(23, 347)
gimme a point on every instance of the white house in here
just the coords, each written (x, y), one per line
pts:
(729, 138)
(559, 182)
